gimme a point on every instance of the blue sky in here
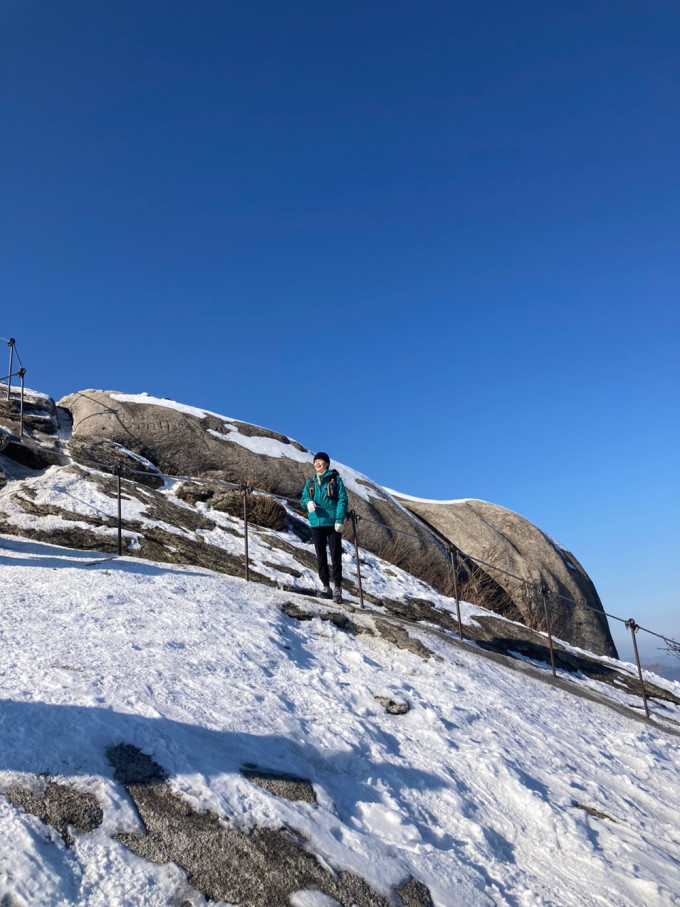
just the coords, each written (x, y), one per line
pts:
(439, 240)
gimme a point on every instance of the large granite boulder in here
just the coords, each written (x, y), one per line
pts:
(189, 442)
(511, 543)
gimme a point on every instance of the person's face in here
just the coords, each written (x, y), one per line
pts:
(320, 467)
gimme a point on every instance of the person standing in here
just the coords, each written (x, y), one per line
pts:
(325, 499)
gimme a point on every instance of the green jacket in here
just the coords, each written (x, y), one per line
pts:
(328, 511)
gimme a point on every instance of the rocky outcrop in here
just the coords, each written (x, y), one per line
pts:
(184, 441)
(511, 543)
(115, 458)
(40, 415)
(63, 807)
(29, 442)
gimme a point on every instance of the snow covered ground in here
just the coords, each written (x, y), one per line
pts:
(494, 789)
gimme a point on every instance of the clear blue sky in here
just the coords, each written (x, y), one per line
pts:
(437, 239)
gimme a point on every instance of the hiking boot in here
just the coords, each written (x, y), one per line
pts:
(327, 592)
(337, 596)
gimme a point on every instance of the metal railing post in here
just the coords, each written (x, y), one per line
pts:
(246, 490)
(454, 568)
(119, 471)
(355, 519)
(633, 627)
(10, 344)
(545, 592)
(22, 372)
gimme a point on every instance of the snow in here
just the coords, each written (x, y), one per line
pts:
(478, 791)
(59, 488)
(410, 497)
(148, 400)
(259, 444)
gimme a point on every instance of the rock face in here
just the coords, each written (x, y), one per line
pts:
(505, 539)
(39, 412)
(184, 441)
(36, 447)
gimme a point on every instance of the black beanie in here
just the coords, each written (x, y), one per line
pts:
(322, 456)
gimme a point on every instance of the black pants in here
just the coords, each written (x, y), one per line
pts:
(322, 535)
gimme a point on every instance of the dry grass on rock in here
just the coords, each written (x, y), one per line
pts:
(263, 510)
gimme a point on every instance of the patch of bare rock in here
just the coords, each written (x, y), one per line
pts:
(391, 706)
(261, 868)
(287, 787)
(67, 810)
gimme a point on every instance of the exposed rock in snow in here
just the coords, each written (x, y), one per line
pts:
(392, 707)
(281, 785)
(65, 808)
(259, 868)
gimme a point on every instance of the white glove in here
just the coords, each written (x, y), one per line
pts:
(311, 506)
(338, 527)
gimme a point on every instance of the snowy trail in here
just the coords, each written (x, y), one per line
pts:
(480, 790)
(39, 554)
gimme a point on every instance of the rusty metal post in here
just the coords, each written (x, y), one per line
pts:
(22, 372)
(245, 490)
(119, 471)
(454, 568)
(545, 592)
(633, 627)
(10, 344)
(354, 517)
